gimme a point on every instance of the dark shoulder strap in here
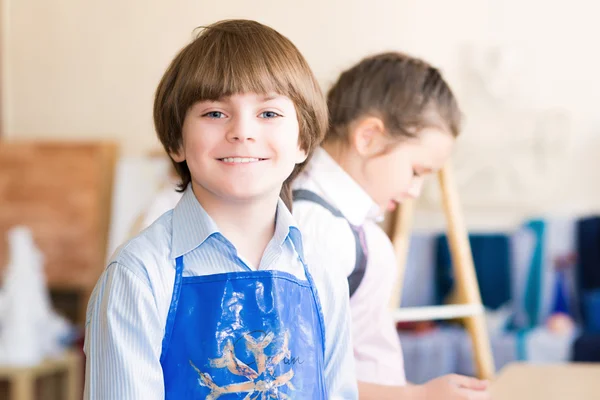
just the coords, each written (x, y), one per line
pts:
(360, 266)
(307, 195)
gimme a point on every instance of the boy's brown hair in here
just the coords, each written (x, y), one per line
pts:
(231, 57)
(407, 94)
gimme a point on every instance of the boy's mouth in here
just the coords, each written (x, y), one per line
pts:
(240, 160)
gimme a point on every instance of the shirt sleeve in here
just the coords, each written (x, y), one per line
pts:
(377, 348)
(123, 339)
(332, 286)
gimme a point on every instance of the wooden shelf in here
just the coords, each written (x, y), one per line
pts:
(22, 381)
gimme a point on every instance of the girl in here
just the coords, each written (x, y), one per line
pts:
(393, 121)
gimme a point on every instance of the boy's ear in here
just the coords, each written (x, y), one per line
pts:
(301, 155)
(177, 156)
(367, 136)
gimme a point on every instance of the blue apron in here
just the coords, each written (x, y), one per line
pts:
(244, 335)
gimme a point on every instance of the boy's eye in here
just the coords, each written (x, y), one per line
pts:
(269, 114)
(416, 174)
(214, 114)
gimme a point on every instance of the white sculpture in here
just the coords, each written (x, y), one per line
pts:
(29, 329)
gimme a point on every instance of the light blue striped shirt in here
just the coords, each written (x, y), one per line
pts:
(128, 309)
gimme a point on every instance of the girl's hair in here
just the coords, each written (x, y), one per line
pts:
(405, 92)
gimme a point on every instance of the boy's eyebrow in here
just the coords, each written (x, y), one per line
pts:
(271, 96)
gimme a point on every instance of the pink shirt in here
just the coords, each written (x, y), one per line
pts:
(330, 240)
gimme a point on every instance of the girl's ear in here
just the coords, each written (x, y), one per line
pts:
(368, 136)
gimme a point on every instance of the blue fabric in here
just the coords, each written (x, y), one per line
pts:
(592, 309)
(560, 304)
(586, 348)
(491, 256)
(244, 335)
(532, 298)
(588, 264)
(588, 250)
(521, 344)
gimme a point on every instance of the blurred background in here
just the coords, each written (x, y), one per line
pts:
(80, 162)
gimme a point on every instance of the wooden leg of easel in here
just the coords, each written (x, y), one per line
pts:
(23, 386)
(401, 241)
(464, 271)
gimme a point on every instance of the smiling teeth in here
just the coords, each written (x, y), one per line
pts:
(240, 160)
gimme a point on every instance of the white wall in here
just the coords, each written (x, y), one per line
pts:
(78, 69)
(89, 69)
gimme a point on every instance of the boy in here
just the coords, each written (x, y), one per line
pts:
(214, 298)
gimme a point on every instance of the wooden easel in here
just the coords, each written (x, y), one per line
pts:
(468, 307)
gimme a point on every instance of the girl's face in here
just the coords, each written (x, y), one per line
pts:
(398, 173)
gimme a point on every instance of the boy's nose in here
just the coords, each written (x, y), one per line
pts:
(241, 130)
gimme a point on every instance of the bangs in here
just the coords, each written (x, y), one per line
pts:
(240, 60)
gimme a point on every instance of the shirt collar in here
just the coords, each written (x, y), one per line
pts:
(286, 227)
(192, 225)
(341, 190)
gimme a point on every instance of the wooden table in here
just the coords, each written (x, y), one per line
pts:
(22, 381)
(548, 381)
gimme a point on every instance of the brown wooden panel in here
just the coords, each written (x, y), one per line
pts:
(62, 191)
